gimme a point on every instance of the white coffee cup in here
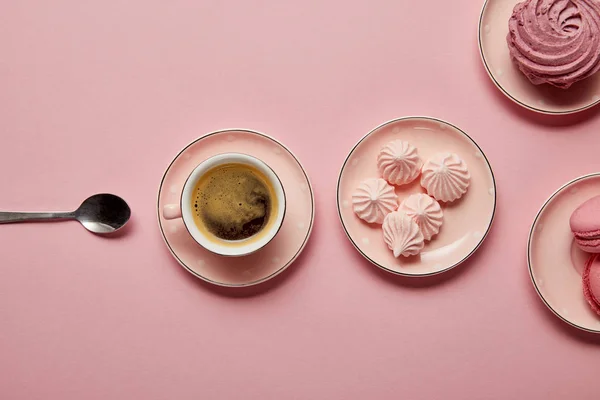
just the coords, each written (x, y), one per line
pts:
(219, 246)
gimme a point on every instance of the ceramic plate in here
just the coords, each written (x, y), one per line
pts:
(466, 221)
(555, 262)
(281, 251)
(493, 29)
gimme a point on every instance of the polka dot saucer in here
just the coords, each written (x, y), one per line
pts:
(545, 99)
(555, 262)
(280, 252)
(467, 221)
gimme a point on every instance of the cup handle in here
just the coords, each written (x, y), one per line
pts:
(172, 211)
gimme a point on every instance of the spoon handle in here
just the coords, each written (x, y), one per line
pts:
(7, 217)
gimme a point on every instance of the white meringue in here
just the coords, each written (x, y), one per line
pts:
(373, 200)
(425, 211)
(402, 234)
(445, 177)
(399, 163)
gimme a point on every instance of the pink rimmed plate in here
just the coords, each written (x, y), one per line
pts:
(493, 29)
(555, 262)
(281, 251)
(467, 221)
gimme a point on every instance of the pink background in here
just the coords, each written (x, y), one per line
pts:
(100, 96)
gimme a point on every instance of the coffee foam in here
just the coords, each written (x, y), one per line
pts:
(233, 202)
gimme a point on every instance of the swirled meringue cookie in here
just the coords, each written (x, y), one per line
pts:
(425, 211)
(399, 163)
(373, 199)
(402, 235)
(445, 177)
(555, 41)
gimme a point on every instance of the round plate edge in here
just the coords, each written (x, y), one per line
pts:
(499, 87)
(530, 237)
(408, 275)
(279, 271)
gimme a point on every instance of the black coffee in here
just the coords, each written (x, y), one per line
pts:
(233, 202)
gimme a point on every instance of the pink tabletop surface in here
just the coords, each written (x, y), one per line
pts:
(100, 96)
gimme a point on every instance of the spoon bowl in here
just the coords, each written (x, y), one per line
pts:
(103, 213)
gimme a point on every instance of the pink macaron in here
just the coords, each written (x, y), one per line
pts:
(585, 225)
(591, 282)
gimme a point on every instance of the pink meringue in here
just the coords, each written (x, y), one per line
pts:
(425, 211)
(555, 41)
(399, 163)
(402, 235)
(373, 200)
(445, 177)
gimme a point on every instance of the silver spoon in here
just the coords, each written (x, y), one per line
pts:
(101, 213)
